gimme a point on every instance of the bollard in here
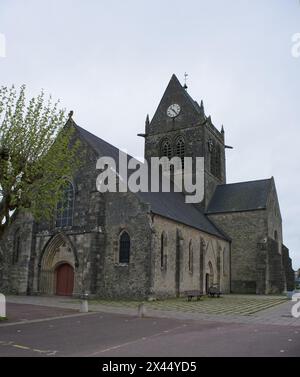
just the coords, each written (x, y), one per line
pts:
(2, 306)
(84, 305)
(142, 310)
(290, 294)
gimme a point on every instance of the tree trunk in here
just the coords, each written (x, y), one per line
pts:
(2, 231)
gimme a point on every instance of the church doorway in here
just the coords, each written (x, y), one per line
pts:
(64, 280)
(57, 267)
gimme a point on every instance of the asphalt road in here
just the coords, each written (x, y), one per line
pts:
(108, 335)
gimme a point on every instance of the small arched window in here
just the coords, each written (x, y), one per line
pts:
(65, 207)
(180, 150)
(276, 235)
(17, 247)
(124, 249)
(191, 257)
(166, 149)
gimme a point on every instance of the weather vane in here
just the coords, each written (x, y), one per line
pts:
(185, 80)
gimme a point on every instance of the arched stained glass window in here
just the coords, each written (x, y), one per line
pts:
(166, 149)
(180, 149)
(65, 207)
(124, 248)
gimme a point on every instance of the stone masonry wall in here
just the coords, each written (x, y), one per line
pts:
(124, 212)
(274, 217)
(246, 229)
(213, 250)
(288, 269)
(86, 234)
(14, 271)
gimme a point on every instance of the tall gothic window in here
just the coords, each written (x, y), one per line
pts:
(162, 251)
(218, 161)
(215, 159)
(65, 207)
(180, 150)
(124, 248)
(17, 244)
(191, 257)
(166, 149)
(163, 255)
(212, 157)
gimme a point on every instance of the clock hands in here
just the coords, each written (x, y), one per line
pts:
(173, 111)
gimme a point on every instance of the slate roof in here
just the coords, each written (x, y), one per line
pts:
(170, 205)
(238, 197)
(100, 146)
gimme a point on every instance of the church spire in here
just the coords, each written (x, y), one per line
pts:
(202, 107)
(147, 124)
(147, 121)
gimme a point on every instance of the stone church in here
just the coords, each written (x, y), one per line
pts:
(148, 245)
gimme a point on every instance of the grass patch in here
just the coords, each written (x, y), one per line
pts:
(3, 319)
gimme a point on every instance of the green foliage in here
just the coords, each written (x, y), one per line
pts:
(37, 153)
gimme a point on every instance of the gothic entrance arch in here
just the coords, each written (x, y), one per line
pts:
(57, 267)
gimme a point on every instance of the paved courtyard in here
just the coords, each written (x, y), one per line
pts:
(230, 304)
(230, 326)
(110, 335)
(231, 308)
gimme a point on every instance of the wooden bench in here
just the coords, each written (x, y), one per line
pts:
(191, 294)
(214, 292)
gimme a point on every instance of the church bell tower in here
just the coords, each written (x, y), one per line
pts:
(180, 128)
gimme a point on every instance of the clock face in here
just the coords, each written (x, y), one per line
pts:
(173, 110)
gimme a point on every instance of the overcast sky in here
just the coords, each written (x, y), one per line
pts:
(110, 61)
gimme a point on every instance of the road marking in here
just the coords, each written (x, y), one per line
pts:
(21, 347)
(46, 319)
(136, 341)
(26, 348)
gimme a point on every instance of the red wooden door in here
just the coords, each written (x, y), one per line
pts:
(64, 280)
